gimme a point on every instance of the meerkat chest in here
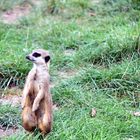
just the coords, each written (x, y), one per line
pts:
(38, 81)
(41, 78)
(36, 87)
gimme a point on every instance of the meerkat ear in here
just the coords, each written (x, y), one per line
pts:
(47, 58)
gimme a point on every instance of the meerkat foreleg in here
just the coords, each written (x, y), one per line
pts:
(28, 86)
(25, 93)
(37, 100)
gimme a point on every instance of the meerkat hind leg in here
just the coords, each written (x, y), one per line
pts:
(29, 119)
(44, 124)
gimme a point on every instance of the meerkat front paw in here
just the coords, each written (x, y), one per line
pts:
(35, 106)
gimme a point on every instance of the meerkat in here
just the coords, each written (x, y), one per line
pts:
(37, 100)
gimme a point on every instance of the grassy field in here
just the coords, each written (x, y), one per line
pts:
(95, 48)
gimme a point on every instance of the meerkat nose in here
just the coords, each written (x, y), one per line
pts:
(27, 57)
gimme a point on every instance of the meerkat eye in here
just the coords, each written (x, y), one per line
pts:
(36, 54)
(47, 58)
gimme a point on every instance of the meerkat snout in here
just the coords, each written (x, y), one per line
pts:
(28, 57)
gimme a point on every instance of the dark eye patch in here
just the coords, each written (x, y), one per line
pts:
(47, 58)
(36, 54)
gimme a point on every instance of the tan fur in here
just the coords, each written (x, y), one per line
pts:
(37, 100)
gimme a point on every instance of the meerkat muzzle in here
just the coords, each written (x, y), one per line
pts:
(27, 57)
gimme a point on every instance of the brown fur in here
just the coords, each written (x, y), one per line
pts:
(37, 100)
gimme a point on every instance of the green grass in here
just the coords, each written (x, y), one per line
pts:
(9, 116)
(106, 49)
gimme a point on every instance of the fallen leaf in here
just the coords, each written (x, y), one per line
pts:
(93, 112)
(137, 114)
(92, 14)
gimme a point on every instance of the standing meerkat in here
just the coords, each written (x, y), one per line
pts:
(37, 99)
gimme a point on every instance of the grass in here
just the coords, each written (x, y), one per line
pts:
(104, 40)
(9, 116)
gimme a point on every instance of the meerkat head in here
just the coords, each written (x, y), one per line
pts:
(39, 57)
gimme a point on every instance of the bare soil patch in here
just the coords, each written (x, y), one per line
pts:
(69, 52)
(12, 16)
(13, 100)
(7, 132)
(11, 97)
(67, 74)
